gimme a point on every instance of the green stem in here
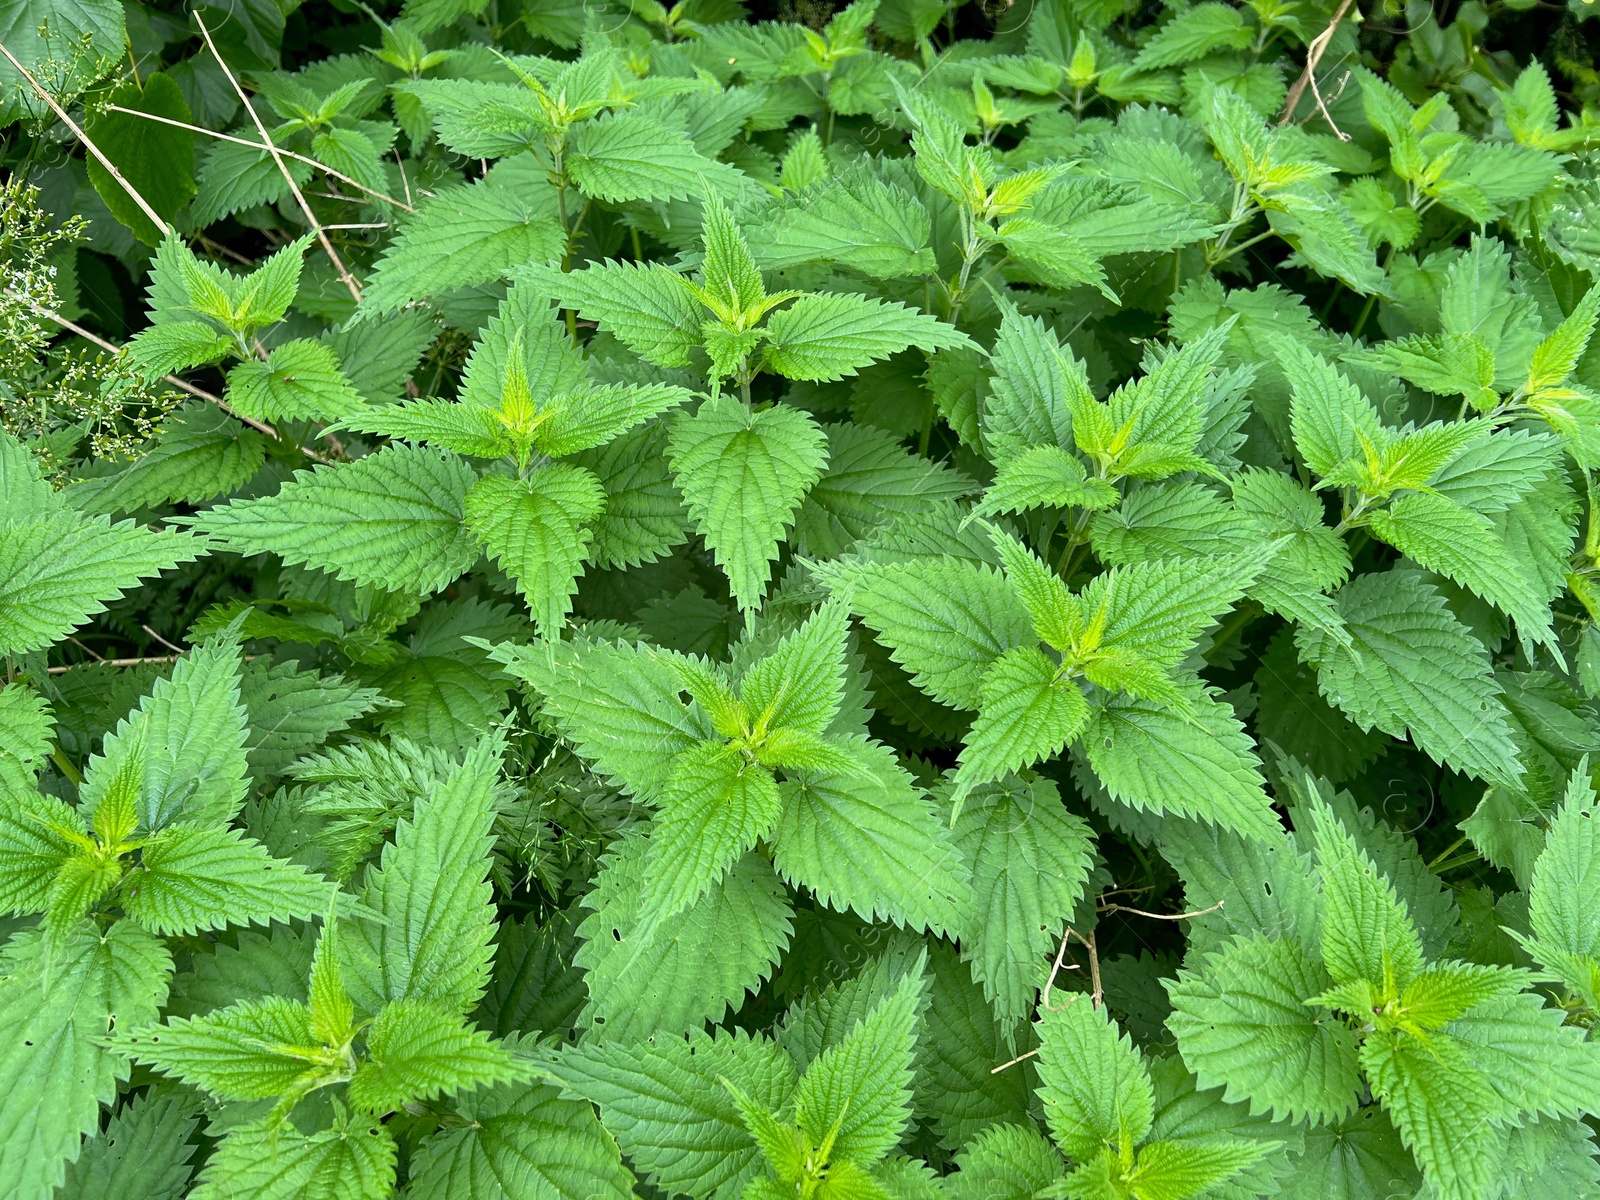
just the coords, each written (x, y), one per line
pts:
(66, 768)
(1372, 300)
(1447, 852)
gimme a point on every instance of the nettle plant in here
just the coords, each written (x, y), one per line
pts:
(895, 603)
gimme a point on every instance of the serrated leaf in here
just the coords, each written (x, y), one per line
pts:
(536, 528)
(58, 571)
(1242, 1023)
(433, 894)
(461, 237)
(664, 1102)
(867, 839)
(523, 1140)
(1412, 667)
(1094, 1083)
(393, 519)
(826, 336)
(743, 475)
(196, 878)
(1030, 859)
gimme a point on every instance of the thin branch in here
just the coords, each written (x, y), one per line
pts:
(182, 385)
(1183, 916)
(1014, 1061)
(114, 662)
(239, 141)
(128, 662)
(111, 167)
(162, 640)
(1308, 78)
(277, 157)
(1056, 968)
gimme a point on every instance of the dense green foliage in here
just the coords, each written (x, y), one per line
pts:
(886, 603)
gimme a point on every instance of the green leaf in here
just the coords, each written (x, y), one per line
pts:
(743, 475)
(855, 219)
(1332, 420)
(1566, 931)
(945, 621)
(1442, 1108)
(142, 1154)
(619, 705)
(664, 1102)
(1006, 1162)
(1026, 713)
(1463, 545)
(958, 1088)
(1201, 766)
(157, 159)
(177, 346)
(1554, 358)
(866, 838)
(689, 970)
(352, 1159)
(648, 307)
(1177, 1170)
(433, 895)
(203, 453)
(300, 380)
(857, 1093)
(520, 1140)
(392, 519)
(828, 336)
(1193, 34)
(53, 1020)
(195, 877)
(417, 1052)
(1367, 934)
(1242, 1023)
(536, 528)
(252, 1051)
(1413, 667)
(36, 840)
(59, 570)
(461, 237)
(632, 157)
(714, 808)
(800, 685)
(1095, 1085)
(187, 741)
(1030, 859)
(1044, 477)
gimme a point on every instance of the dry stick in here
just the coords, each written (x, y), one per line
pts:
(129, 662)
(1096, 991)
(1314, 53)
(239, 141)
(105, 162)
(1183, 916)
(162, 640)
(114, 662)
(181, 384)
(277, 157)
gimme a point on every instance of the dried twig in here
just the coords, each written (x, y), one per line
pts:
(128, 662)
(1308, 78)
(114, 662)
(277, 157)
(1183, 916)
(111, 167)
(162, 640)
(1013, 1062)
(239, 141)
